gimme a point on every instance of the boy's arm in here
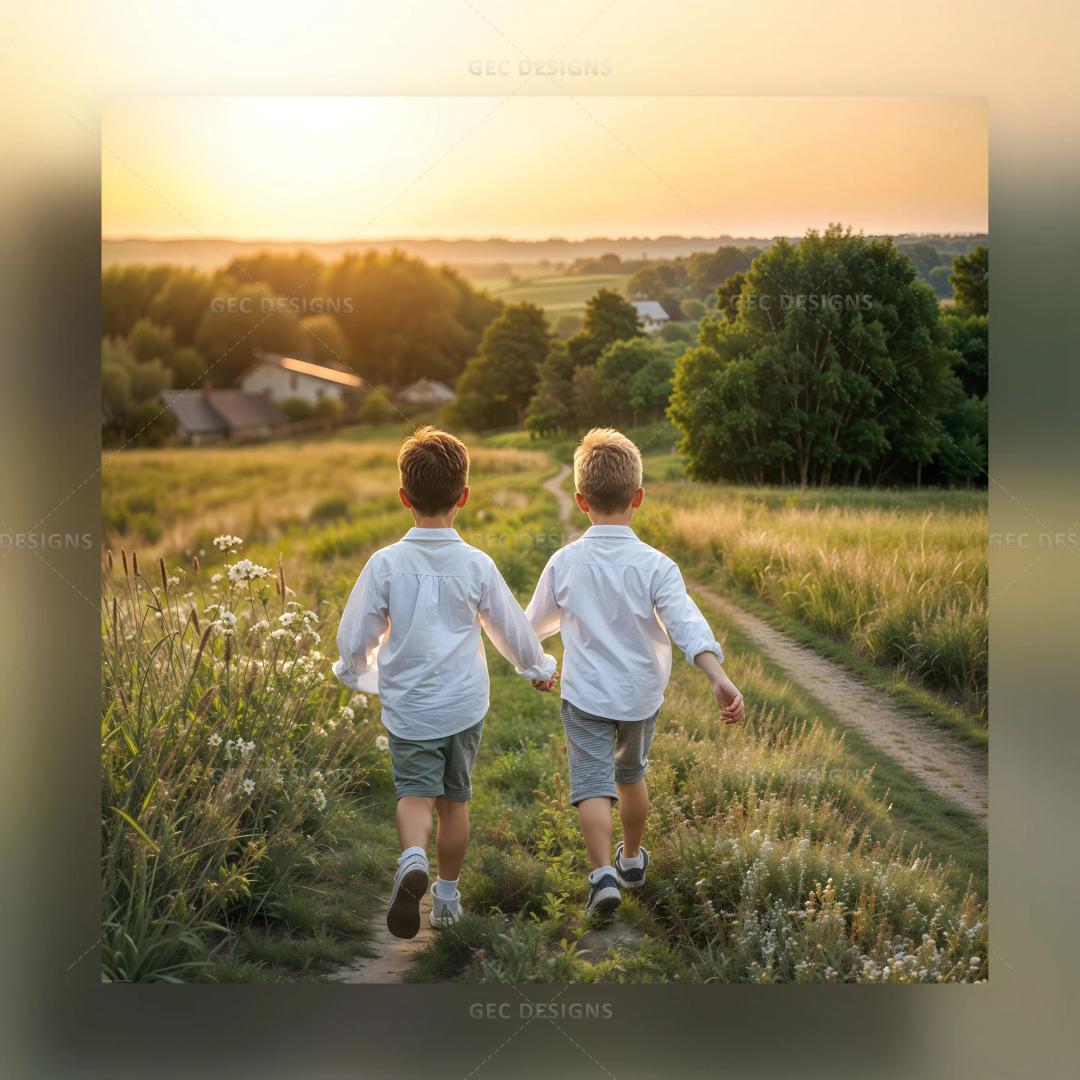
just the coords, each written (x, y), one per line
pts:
(689, 630)
(543, 612)
(364, 623)
(501, 616)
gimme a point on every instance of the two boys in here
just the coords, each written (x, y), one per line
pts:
(413, 623)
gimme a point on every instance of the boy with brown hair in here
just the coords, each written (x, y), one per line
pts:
(411, 633)
(615, 599)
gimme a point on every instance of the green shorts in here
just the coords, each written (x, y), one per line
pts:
(436, 767)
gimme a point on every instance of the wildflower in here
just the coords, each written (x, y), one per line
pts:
(382, 743)
(310, 617)
(277, 635)
(225, 542)
(215, 578)
(317, 776)
(214, 740)
(346, 713)
(287, 618)
(262, 624)
(319, 799)
(245, 747)
(248, 786)
(227, 618)
(358, 701)
(246, 570)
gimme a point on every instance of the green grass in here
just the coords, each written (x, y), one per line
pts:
(559, 293)
(786, 775)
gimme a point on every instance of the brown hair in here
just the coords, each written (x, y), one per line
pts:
(607, 469)
(434, 469)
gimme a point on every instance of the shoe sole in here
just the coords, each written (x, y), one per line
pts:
(627, 884)
(403, 914)
(605, 903)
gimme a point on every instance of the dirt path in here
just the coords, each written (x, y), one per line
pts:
(947, 768)
(393, 956)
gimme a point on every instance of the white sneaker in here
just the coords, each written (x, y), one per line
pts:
(410, 884)
(444, 912)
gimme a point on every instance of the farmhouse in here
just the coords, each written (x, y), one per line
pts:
(426, 392)
(285, 377)
(208, 416)
(651, 315)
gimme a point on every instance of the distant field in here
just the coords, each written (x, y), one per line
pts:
(561, 293)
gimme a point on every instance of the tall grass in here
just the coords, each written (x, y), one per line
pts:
(907, 589)
(229, 762)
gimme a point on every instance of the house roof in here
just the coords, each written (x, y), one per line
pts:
(650, 309)
(427, 390)
(193, 412)
(240, 409)
(334, 373)
(200, 412)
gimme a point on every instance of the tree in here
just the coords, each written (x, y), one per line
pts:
(824, 387)
(971, 280)
(693, 308)
(708, 270)
(727, 296)
(497, 384)
(567, 324)
(549, 409)
(378, 407)
(149, 341)
(321, 338)
(608, 318)
(126, 295)
(180, 303)
(645, 284)
(968, 335)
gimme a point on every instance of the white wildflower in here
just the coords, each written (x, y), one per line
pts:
(382, 743)
(319, 799)
(214, 740)
(287, 619)
(225, 542)
(246, 570)
(248, 786)
(346, 713)
(216, 578)
(358, 701)
(277, 635)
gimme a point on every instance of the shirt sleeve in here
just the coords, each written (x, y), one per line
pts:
(681, 617)
(543, 611)
(364, 624)
(501, 616)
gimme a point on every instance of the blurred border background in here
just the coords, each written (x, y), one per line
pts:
(62, 59)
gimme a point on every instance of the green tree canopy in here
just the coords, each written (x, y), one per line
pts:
(834, 367)
(971, 280)
(498, 382)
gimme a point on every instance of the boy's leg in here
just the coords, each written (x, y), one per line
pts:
(414, 820)
(632, 744)
(633, 810)
(595, 818)
(453, 836)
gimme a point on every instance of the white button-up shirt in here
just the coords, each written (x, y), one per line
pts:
(615, 599)
(410, 632)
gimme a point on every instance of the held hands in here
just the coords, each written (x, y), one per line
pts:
(544, 685)
(732, 707)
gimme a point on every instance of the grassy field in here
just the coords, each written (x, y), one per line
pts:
(559, 293)
(776, 853)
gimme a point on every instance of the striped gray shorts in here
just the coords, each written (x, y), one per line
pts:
(603, 752)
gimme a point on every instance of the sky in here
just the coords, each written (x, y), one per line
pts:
(521, 167)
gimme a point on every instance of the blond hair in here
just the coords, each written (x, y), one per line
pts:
(607, 470)
(434, 469)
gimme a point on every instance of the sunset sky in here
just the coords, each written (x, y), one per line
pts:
(523, 167)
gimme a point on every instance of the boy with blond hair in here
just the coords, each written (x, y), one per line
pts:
(411, 633)
(615, 599)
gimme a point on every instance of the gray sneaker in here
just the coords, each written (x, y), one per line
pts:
(631, 877)
(604, 896)
(410, 884)
(444, 913)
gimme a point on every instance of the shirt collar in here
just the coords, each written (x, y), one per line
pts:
(616, 532)
(432, 534)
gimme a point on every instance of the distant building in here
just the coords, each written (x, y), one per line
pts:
(651, 315)
(426, 392)
(285, 377)
(208, 415)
